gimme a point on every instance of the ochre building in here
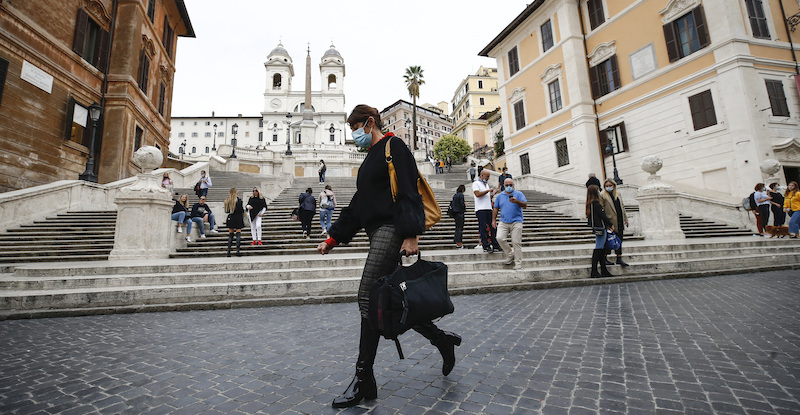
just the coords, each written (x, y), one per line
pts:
(57, 58)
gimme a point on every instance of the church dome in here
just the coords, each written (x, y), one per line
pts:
(280, 54)
(332, 55)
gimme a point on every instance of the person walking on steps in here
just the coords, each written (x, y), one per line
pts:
(257, 206)
(392, 227)
(235, 211)
(615, 210)
(204, 184)
(791, 205)
(598, 220)
(308, 206)
(510, 203)
(483, 211)
(322, 169)
(327, 202)
(762, 199)
(458, 207)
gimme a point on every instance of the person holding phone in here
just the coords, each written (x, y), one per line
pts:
(510, 203)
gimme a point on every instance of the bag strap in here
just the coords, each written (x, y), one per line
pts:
(392, 172)
(399, 349)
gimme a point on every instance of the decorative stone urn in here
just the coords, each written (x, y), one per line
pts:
(143, 213)
(658, 205)
(770, 168)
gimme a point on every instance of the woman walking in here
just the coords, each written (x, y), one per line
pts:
(233, 206)
(598, 220)
(615, 210)
(459, 208)
(257, 206)
(322, 169)
(762, 207)
(308, 205)
(327, 202)
(392, 227)
(791, 205)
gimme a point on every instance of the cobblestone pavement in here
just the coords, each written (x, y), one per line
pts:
(724, 345)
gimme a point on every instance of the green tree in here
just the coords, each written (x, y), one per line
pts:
(450, 145)
(499, 145)
(413, 78)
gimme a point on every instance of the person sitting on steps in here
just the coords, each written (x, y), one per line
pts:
(201, 213)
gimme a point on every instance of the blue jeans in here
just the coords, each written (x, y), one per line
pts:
(204, 192)
(199, 222)
(325, 218)
(794, 222)
(181, 218)
(600, 240)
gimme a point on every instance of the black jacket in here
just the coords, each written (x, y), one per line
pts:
(179, 208)
(597, 213)
(257, 203)
(196, 210)
(457, 204)
(372, 204)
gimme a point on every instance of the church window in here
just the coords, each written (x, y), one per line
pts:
(331, 81)
(275, 138)
(276, 81)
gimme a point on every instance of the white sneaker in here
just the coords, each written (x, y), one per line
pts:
(214, 231)
(304, 235)
(203, 235)
(323, 233)
(180, 230)
(188, 239)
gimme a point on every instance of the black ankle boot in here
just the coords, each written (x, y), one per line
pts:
(230, 241)
(603, 270)
(596, 254)
(446, 343)
(363, 385)
(621, 262)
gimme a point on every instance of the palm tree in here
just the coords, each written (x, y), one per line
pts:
(413, 78)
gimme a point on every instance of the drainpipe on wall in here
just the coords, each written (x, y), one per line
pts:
(789, 35)
(594, 101)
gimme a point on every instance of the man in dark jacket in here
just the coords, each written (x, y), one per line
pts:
(202, 213)
(308, 206)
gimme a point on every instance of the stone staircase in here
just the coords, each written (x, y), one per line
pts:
(43, 290)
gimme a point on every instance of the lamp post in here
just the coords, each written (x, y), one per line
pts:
(234, 130)
(88, 175)
(408, 129)
(611, 134)
(288, 134)
(425, 137)
(183, 148)
(214, 146)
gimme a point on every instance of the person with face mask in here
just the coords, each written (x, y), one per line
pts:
(393, 226)
(612, 205)
(483, 211)
(510, 203)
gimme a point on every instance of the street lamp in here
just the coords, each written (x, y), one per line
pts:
(611, 135)
(288, 134)
(95, 110)
(408, 130)
(234, 130)
(425, 137)
(214, 146)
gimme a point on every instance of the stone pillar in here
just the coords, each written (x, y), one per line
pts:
(287, 164)
(658, 205)
(143, 213)
(770, 168)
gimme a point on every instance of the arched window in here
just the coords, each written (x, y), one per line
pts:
(206, 149)
(331, 81)
(276, 81)
(180, 150)
(194, 150)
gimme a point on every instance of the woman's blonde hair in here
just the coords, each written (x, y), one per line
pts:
(185, 203)
(230, 201)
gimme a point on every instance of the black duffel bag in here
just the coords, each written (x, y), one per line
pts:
(408, 297)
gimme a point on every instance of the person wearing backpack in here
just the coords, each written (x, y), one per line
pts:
(393, 225)
(327, 202)
(762, 207)
(308, 205)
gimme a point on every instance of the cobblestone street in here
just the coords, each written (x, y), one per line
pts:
(724, 345)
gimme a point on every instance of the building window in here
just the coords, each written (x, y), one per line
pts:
(604, 77)
(3, 72)
(151, 10)
(525, 163)
(162, 99)
(195, 123)
(702, 108)
(260, 136)
(208, 123)
(194, 150)
(276, 81)
(562, 152)
(180, 150)
(596, 15)
(208, 135)
(513, 61)
(77, 123)
(519, 115)
(207, 149)
(686, 35)
(167, 37)
(247, 134)
(480, 84)
(90, 41)
(481, 101)
(777, 99)
(194, 135)
(275, 138)
(260, 123)
(181, 123)
(615, 135)
(137, 138)
(220, 134)
(758, 21)
(144, 70)
(547, 36)
(247, 123)
(181, 135)
(555, 96)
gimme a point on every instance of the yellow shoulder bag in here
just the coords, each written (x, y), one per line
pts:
(433, 214)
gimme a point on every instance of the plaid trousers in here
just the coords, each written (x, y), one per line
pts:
(382, 260)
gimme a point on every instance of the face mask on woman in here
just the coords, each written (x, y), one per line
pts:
(361, 137)
(610, 189)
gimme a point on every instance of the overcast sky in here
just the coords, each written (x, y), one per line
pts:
(222, 69)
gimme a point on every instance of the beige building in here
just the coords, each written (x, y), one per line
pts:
(709, 86)
(57, 58)
(475, 96)
(432, 123)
